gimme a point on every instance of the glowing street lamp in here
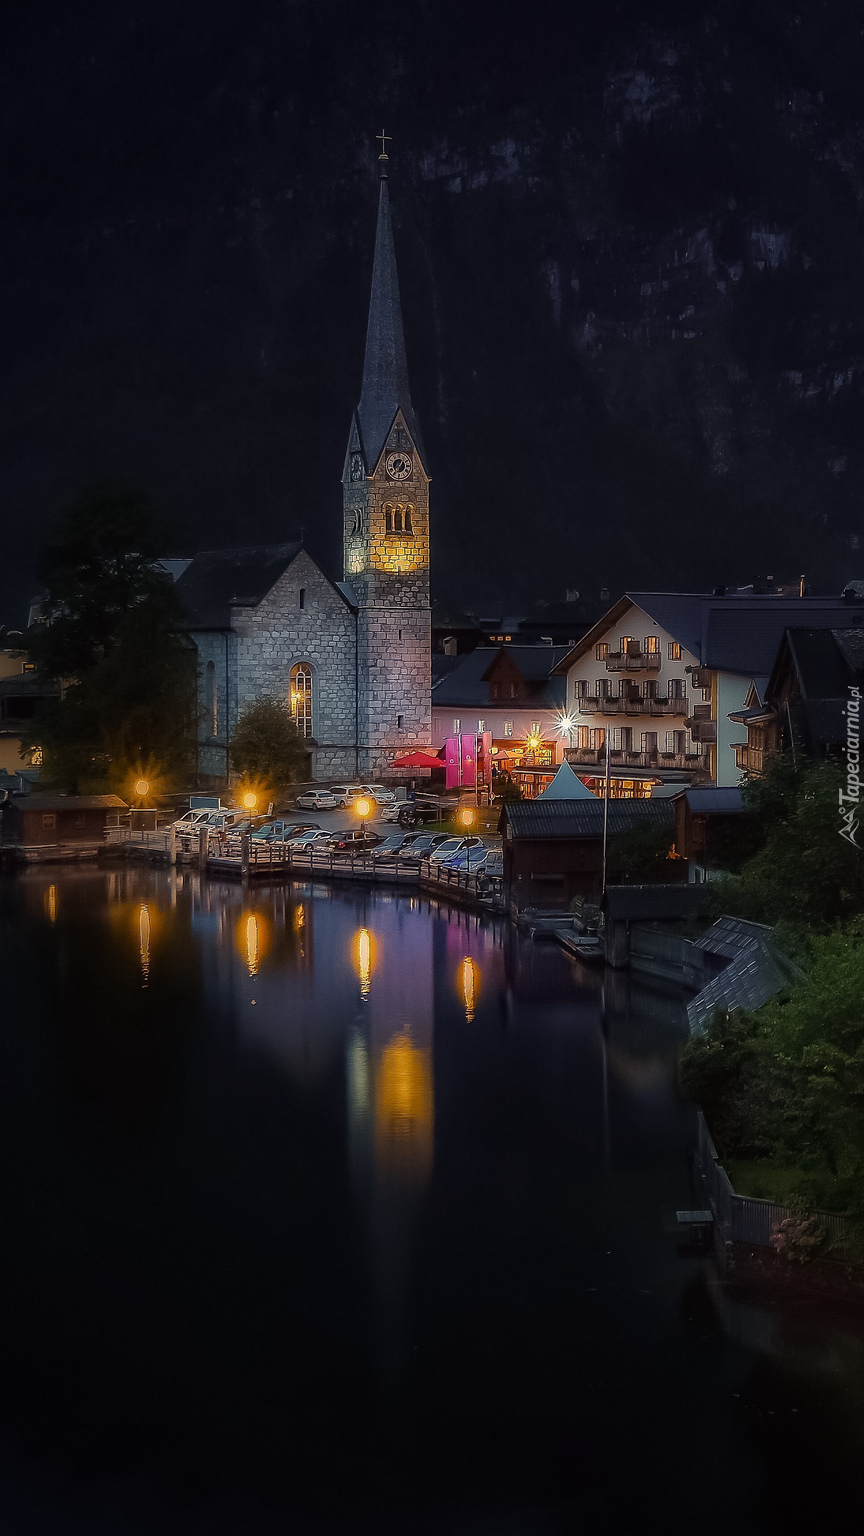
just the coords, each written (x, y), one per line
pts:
(363, 807)
(142, 788)
(250, 800)
(466, 817)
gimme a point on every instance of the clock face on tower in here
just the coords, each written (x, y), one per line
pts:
(399, 466)
(356, 466)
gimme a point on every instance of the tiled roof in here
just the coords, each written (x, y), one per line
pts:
(714, 799)
(465, 684)
(584, 818)
(69, 802)
(219, 579)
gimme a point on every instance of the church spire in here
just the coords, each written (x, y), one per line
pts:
(385, 368)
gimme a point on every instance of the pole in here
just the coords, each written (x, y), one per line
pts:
(605, 812)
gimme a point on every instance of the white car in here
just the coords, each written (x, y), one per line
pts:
(379, 793)
(316, 800)
(451, 846)
(190, 820)
(308, 839)
(345, 794)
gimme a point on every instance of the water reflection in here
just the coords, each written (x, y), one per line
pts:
(144, 942)
(230, 1198)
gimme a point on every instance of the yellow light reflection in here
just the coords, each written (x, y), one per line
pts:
(252, 944)
(144, 942)
(51, 903)
(364, 961)
(404, 1110)
(469, 985)
(299, 918)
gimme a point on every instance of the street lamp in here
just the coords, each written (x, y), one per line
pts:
(363, 807)
(467, 819)
(142, 788)
(250, 800)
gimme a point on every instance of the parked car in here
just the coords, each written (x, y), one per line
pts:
(316, 800)
(393, 845)
(312, 838)
(345, 794)
(189, 821)
(472, 860)
(494, 864)
(278, 831)
(379, 793)
(355, 840)
(421, 846)
(451, 846)
(410, 813)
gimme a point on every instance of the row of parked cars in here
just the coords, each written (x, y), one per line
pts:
(343, 795)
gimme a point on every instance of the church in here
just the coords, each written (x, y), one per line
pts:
(352, 658)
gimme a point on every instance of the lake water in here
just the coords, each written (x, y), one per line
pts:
(327, 1209)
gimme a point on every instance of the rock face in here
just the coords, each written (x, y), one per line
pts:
(629, 247)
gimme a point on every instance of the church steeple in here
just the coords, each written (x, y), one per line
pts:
(385, 387)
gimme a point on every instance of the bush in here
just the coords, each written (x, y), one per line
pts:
(267, 747)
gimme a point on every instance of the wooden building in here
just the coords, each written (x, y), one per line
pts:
(36, 823)
(553, 849)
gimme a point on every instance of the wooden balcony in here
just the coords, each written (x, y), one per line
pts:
(633, 660)
(749, 759)
(591, 704)
(595, 757)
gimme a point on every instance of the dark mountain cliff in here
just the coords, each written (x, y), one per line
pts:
(629, 241)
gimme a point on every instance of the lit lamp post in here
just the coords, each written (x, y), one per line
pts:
(250, 800)
(467, 819)
(363, 807)
(142, 788)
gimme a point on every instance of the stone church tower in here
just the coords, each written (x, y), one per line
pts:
(386, 530)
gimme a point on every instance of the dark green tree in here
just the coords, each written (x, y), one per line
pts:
(267, 747)
(111, 635)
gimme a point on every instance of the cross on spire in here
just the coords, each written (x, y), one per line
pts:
(386, 138)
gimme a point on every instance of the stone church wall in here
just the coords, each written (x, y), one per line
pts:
(220, 648)
(278, 633)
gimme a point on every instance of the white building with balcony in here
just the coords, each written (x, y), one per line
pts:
(662, 671)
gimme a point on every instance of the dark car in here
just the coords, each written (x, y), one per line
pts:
(357, 840)
(393, 844)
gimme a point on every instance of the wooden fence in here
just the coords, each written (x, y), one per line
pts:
(746, 1219)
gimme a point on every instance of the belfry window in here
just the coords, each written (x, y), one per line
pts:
(210, 699)
(301, 697)
(397, 520)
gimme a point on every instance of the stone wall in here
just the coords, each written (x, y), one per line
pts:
(220, 648)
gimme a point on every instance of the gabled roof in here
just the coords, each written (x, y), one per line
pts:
(825, 661)
(732, 632)
(466, 683)
(385, 388)
(584, 818)
(218, 580)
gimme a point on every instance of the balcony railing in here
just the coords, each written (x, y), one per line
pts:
(633, 661)
(591, 757)
(605, 704)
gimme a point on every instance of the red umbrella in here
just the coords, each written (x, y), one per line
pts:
(418, 760)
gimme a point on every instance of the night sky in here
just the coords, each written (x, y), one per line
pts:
(629, 241)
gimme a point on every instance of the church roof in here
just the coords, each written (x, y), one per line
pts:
(385, 387)
(218, 580)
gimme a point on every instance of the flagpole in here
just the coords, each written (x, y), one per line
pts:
(605, 812)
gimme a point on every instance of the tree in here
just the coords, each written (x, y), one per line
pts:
(267, 747)
(505, 790)
(803, 875)
(111, 634)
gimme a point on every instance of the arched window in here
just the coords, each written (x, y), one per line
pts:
(407, 520)
(301, 697)
(397, 520)
(388, 518)
(302, 597)
(211, 702)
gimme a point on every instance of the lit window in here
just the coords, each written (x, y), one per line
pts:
(652, 645)
(457, 725)
(581, 735)
(508, 727)
(508, 637)
(673, 650)
(29, 666)
(535, 727)
(601, 652)
(481, 726)
(301, 697)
